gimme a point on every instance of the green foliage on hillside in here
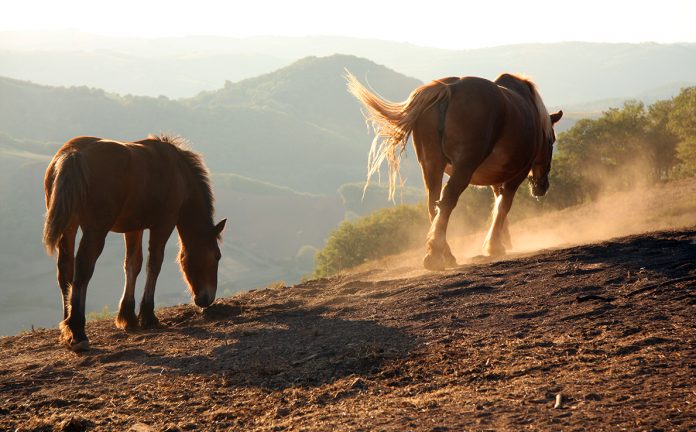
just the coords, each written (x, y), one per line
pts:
(682, 122)
(385, 232)
(627, 147)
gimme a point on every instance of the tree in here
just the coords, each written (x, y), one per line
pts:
(682, 122)
(663, 142)
(623, 148)
(385, 232)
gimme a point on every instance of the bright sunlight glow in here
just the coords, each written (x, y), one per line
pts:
(446, 24)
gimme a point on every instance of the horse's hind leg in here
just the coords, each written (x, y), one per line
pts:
(126, 318)
(73, 327)
(433, 163)
(158, 239)
(66, 265)
(436, 243)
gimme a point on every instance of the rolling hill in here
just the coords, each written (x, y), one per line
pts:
(290, 127)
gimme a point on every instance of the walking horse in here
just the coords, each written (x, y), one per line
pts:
(478, 132)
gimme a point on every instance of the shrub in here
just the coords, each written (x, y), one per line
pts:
(385, 232)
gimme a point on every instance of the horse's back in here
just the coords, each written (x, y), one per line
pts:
(466, 127)
(130, 184)
(477, 104)
(485, 124)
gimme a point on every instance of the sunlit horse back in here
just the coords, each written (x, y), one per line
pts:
(477, 131)
(100, 185)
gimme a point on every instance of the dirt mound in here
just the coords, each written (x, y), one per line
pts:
(596, 337)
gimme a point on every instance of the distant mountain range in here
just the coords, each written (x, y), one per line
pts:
(568, 73)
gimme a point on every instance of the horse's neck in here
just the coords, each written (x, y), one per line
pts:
(194, 217)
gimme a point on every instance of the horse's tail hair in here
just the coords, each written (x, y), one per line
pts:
(66, 190)
(393, 123)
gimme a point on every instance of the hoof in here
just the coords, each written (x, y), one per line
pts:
(491, 250)
(127, 323)
(68, 339)
(450, 261)
(77, 347)
(149, 322)
(432, 263)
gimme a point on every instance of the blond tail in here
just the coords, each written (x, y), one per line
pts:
(66, 189)
(393, 123)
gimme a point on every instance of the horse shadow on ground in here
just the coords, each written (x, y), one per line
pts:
(271, 346)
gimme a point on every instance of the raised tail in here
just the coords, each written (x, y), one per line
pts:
(393, 123)
(66, 188)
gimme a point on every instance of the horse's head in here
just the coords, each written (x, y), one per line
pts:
(198, 258)
(539, 175)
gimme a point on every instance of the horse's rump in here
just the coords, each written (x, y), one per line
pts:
(66, 188)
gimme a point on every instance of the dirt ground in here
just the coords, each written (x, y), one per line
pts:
(588, 338)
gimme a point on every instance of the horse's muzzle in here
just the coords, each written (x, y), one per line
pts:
(203, 300)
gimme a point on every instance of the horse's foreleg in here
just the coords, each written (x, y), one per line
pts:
(158, 239)
(126, 318)
(499, 234)
(436, 242)
(66, 265)
(73, 327)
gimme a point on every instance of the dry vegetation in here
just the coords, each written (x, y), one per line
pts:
(609, 327)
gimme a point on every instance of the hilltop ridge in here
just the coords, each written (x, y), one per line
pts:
(595, 337)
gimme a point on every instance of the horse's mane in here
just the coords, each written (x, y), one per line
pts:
(195, 163)
(544, 117)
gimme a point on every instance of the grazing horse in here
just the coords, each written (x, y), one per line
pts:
(478, 132)
(101, 185)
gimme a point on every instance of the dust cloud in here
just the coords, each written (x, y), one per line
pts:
(643, 209)
(664, 206)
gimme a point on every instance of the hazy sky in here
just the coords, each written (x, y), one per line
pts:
(446, 24)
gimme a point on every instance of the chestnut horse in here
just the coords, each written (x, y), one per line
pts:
(102, 185)
(478, 132)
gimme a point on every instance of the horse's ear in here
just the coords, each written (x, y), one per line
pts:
(556, 116)
(220, 226)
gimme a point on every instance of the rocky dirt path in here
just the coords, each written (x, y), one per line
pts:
(596, 337)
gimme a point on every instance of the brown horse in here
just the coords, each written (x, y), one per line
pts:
(101, 185)
(478, 132)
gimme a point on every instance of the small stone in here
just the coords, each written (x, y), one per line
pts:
(282, 412)
(559, 401)
(593, 397)
(358, 384)
(74, 424)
